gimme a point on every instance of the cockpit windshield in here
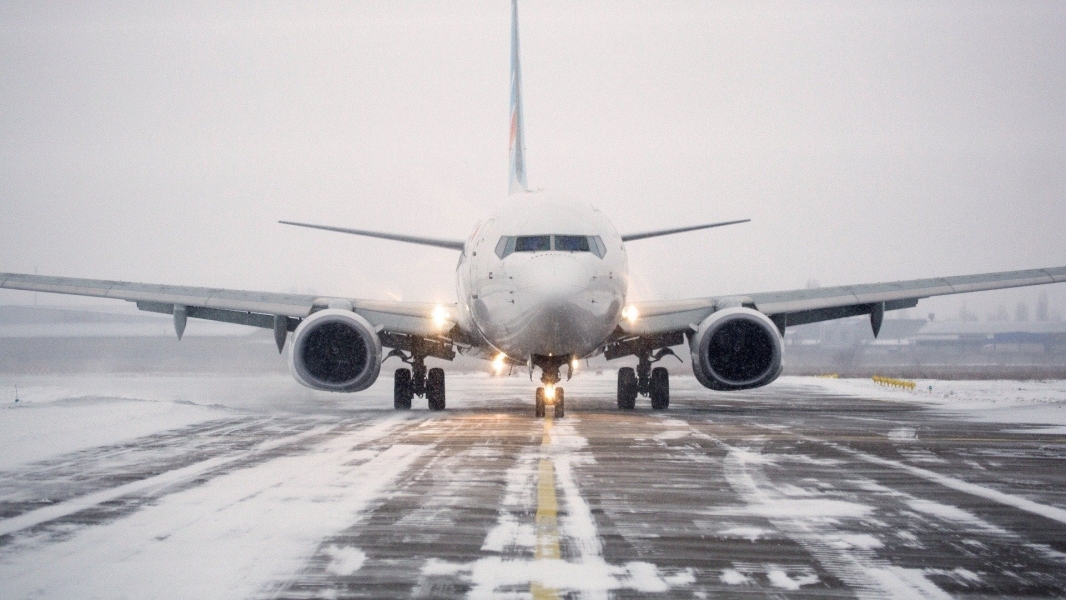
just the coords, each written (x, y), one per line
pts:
(572, 243)
(509, 244)
(532, 243)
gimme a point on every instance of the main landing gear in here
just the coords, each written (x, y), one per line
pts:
(644, 380)
(417, 381)
(551, 395)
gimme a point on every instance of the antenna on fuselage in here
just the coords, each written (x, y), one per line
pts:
(517, 139)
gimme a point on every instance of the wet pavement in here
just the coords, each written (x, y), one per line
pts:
(787, 491)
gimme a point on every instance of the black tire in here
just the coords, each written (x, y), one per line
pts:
(435, 389)
(560, 411)
(627, 388)
(402, 390)
(538, 411)
(660, 388)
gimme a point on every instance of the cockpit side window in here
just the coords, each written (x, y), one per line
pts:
(532, 243)
(599, 249)
(505, 246)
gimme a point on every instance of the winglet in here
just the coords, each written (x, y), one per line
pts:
(517, 140)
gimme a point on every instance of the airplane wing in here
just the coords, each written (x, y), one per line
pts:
(281, 312)
(798, 307)
(630, 237)
(396, 237)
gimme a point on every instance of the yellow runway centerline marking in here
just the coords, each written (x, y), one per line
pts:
(547, 521)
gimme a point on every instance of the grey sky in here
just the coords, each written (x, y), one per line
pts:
(867, 141)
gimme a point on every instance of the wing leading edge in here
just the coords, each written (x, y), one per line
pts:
(798, 307)
(396, 237)
(259, 309)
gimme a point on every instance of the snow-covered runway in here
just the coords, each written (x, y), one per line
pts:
(233, 487)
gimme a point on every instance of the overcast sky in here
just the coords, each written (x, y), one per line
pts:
(867, 141)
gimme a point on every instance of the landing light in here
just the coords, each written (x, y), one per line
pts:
(499, 363)
(440, 316)
(549, 392)
(631, 314)
(573, 364)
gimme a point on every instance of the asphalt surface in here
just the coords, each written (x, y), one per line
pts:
(781, 492)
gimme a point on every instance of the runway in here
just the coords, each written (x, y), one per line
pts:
(800, 489)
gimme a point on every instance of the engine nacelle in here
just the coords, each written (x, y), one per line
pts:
(335, 350)
(736, 349)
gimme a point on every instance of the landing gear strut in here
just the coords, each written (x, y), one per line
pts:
(417, 381)
(550, 395)
(645, 381)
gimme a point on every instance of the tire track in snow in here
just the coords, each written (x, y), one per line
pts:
(144, 490)
(520, 565)
(812, 523)
(1053, 513)
(230, 537)
(46, 483)
(144, 486)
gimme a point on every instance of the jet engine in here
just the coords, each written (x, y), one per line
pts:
(736, 349)
(335, 350)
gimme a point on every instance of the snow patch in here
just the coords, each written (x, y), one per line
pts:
(989, 401)
(779, 578)
(903, 434)
(1056, 430)
(488, 575)
(734, 577)
(942, 511)
(1051, 512)
(751, 534)
(509, 533)
(346, 560)
(863, 541)
(787, 508)
(50, 425)
(226, 538)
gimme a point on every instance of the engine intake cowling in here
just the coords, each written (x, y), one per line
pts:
(735, 349)
(335, 350)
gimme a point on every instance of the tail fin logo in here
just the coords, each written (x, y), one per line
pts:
(517, 139)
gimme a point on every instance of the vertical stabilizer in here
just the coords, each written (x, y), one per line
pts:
(518, 142)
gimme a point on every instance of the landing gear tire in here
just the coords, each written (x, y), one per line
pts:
(402, 390)
(538, 412)
(435, 389)
(559, 409)
(627, 388)
(660, 388)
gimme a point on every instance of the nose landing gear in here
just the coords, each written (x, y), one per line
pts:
(550, 395)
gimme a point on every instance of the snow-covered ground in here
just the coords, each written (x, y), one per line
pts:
(255, 486)
(57, 414)
(989, 401)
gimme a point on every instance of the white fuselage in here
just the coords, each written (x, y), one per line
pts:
(539, 291)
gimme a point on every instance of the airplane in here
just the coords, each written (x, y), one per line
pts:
(543, 283)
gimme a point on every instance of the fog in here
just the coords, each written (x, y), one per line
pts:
(867, 141)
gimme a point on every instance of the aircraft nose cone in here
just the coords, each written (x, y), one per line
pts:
(556, 279)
